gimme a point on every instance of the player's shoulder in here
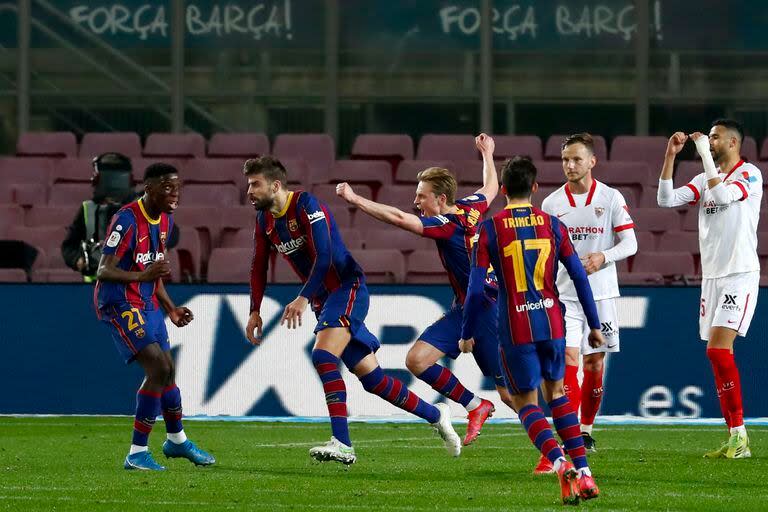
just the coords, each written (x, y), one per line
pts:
(129, 212)
(750, 172)
(555, 198)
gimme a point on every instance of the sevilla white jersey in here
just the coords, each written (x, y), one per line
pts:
(728, 232)
(592, 220)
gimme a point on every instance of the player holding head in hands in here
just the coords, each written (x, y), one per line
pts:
(304, 232)
(128, 296)
(524, 245)
(595, 215)
(728, 195)
(452, 224)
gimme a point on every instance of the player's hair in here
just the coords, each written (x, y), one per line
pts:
(580, 138)
(158, 170)
(730, 124)
(442, 181)
(518, 176)
(272, 168)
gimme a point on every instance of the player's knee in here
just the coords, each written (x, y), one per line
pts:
(571, 357)
(415, 364)
(593, 363)
(320, 356)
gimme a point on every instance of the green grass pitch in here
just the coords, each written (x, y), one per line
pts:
(75, 463)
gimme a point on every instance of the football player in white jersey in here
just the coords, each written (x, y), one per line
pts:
(728, 195)
(595, 215)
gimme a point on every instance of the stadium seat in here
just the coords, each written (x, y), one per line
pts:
(390, 148)
(554, 143)
(361, 171)
(281, 271)
(508, 146)
(174, 145)
(189, 253)
(549, 173)
(77, 170)
(447, 147)
(640, 279)
(139, 165)
(764, 149)
(686, 171)
(57, 275)
(749, 149)
(648, 149)
(409, 169)
(382, 265)
(298, 173)
(69, 194)
(648, 199)
(50, 216)
(646, 241)
(47, 238)
(633, 175)
(352, 237)
(679, 241)
(541, 194)
(424, 266)
(221, 195)
(234, 218)
(214, 170)
(173, 261)
(238, 145)
(10, 215)
(205, 219)
(397, 238)
(691, 219)
(399, 196)
(23, 181)
(50, 144)
(327, 195)
(126, 143)
(467, 171)
(13, 275)
(672, 265)
(242, 238)
(656, 220)
(229, 265)
(318, 150)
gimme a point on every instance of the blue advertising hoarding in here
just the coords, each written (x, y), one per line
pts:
(58, 359)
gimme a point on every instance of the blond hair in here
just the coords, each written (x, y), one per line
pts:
(442, 181)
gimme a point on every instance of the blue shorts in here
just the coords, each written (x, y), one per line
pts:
(133, 329)
(524, 366)
(445, 334)
(347, 307)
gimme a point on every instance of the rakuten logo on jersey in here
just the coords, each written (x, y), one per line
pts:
(532, 306)
(292, 245)
(585, 232)
(149, 257)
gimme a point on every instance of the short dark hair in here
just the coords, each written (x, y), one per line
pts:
(159, 169)
(518, 176)
(580, 138)
(731, 124)
(272, 168)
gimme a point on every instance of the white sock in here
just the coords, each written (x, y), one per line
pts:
(178, 437)
(585, 471)
(474, 403)
(559, 462)
(586, 429)
(741, 429)
(137, 449)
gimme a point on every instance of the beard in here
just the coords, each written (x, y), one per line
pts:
(263, 204)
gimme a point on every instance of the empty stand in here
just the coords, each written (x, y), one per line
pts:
(679, 241)
(126, 143)
(648, 149)
(229, 265)
(13, 275)
(383, 147)
(214, 170)
(175, 145)
(10, 215)
(318, 150)
(508, 146)
(399, 196)
(646, 241)
(239, 145)
(549, 173)
(47, 238)
(223, 195)
(361, 171)
(409, 169)
(70, 194)
(77, 170)
(327, 195)
(50, 216)
(749, 149)
(672, 265)
(655, 219)
(555, 142)
(189, 253)
(397, 238)
(51, 144)
(425, 267)
(447, 147)
(382, 265)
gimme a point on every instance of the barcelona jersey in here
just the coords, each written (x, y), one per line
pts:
(454, 233)
(524, 245)
(137, 240)
(306, 235)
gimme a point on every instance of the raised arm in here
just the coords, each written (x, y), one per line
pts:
(668, 196)
(382, 212)
(490, 189)
(723, 194)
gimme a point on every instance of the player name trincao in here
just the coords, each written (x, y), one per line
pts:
(291, 245)
(524, 222)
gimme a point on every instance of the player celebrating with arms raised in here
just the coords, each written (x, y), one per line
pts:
(524, 245)
(128, 295)
(304, 232)
(452, 224)
(728, 193)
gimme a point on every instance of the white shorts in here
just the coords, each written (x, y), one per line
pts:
(577, 329)
(728, 302)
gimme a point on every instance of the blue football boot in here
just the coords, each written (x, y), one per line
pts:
(189, 451)
(143, 461)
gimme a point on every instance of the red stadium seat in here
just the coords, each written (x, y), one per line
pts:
(408, 169)
(23, 181)
(508, 146)
(282, 271)
(397, 238)
(640, 279)
(538, 197)
(361, 171)
(686, 171)
(680, 241)
(229, 265)
(174, 145)
(327, 195)
(126, 143)
(47, 238)
(672, 265)
(549, 173)
(655, 219)
(205, 219)
(631, 148)
(646, 241)
(242, 238)
(13, 275)
(624, 174)
(382, 147)
(424, 266)
(467, 171)
(298, 173)
(10, 215)
(50, 216)
(139, 166)
(352, 238)
(77, 170)
(764, 149)
(238, 217)
(70, 194)
(318, 150)
(189, 253)
(221, 195)
(749, 149)
(447, 147)
(57, 275)
(214, 170)
(399, 196)
(554, 143)
(238, 145)
(50, 144)
(381, 266)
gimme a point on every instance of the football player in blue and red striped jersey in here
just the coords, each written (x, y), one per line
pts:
(524, 246)
(128, 298)
(452, 225)
(304, 232)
